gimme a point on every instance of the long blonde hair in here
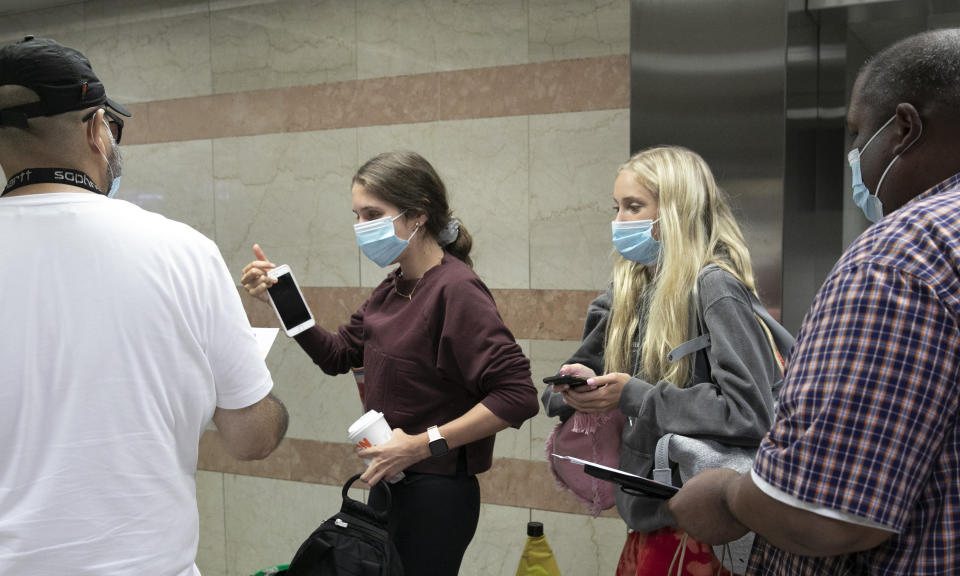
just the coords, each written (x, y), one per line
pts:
(697, 228)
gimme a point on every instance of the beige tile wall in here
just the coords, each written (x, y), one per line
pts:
(212, 549)
(257, 45)
(149, 49)
(252, 116)
(562, 29)
(417, 36)
(290, 193)
(173, 179)
(266, 520)
(572, 168)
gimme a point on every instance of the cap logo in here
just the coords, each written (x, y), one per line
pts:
(83, 91)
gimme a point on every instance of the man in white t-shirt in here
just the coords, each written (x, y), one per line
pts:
(121, 336)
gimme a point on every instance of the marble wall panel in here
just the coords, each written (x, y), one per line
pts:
(546, 357)
(565, 29)
(276, 44)
(291, 194)
(484, 165)
(150, 49)
(396, 38)
(583, 545)
(514, 442)
(63, 23)
(544, 314)
(173, 179)
(212, 549)
(573, 163)
(295, 459)
(267, 520)
(496, 547)
(321, 407)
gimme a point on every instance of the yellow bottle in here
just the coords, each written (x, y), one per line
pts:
(537, 558)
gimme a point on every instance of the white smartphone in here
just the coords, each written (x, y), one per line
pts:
(288, 301)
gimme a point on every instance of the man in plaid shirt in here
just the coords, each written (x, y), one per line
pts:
(861, 472)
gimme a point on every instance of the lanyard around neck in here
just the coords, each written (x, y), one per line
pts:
(67, 176)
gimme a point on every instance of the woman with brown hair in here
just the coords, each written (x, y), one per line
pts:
(438, 360)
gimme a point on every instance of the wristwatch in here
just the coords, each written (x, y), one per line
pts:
(438, 445)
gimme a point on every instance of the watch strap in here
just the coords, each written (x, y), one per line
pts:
(438, 444)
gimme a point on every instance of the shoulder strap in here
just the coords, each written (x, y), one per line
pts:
(702, 341)
(661, 461)
(777, 357)
(689, 347)
(702, 328)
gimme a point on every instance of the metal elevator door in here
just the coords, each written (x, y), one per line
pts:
(759, 88)
(828, 41)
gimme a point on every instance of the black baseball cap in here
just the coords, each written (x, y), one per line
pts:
(62, 77)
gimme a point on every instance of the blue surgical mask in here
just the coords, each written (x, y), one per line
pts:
(378, 240)
(869, 203)
(635, 242)
(114, 186)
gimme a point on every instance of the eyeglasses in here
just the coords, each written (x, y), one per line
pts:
(113, 121)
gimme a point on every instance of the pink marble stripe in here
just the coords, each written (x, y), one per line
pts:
(530, 314)
(541, 88)
(510, 482)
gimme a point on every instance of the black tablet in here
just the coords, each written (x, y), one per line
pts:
(629, 483)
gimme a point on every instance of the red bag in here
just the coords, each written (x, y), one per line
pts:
(656, 553)
(591, 437)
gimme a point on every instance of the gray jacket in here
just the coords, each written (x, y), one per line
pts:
(731, 397)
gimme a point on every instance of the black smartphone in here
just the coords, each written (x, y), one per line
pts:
(568, 379)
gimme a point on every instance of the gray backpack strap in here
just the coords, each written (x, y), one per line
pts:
(661, 461)
(689, 347)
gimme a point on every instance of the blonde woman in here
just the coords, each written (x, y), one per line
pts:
(682, 269)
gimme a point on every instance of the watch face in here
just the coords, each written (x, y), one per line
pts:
(439, 447)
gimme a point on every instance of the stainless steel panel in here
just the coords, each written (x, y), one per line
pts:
(815, 112)
(820, 219)
(709, 75)
(760, 89)
(824, 4)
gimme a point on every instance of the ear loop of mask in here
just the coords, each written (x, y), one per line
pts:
(414, 233)
(895, 158)
(877, 133)
(114, 178)
(890, 165)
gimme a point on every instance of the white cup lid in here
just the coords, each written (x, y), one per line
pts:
(364, 421)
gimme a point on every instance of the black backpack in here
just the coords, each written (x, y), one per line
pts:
(353, 542)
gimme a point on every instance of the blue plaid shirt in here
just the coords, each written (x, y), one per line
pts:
(867, 422)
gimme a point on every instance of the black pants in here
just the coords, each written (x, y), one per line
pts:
(432, 520)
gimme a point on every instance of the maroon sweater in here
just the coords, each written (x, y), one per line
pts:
(430, 359)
